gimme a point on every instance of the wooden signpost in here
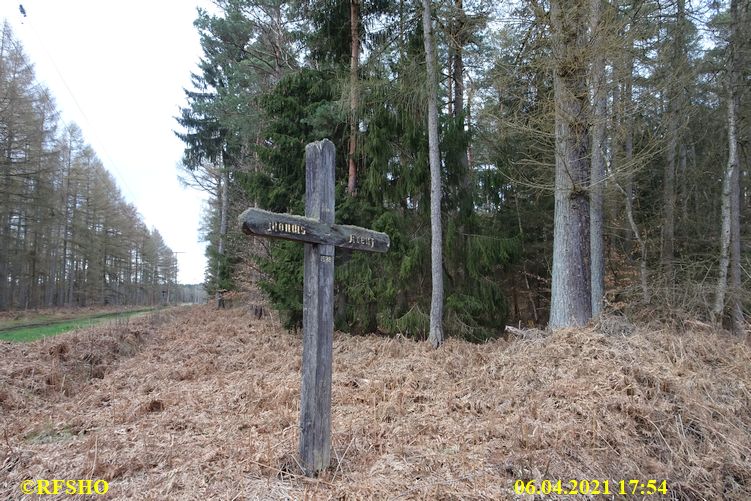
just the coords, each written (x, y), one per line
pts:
(321, 236)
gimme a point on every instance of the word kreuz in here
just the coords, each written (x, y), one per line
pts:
(357, 239)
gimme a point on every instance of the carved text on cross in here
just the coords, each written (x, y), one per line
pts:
(263, 223)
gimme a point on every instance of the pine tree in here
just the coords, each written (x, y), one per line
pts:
(571, 293)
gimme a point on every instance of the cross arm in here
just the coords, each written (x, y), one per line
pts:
(303, 229)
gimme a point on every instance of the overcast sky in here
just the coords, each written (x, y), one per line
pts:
(118, 70)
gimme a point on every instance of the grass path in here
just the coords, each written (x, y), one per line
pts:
(44, 326)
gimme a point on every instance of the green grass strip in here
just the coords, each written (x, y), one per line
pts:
(26, 334)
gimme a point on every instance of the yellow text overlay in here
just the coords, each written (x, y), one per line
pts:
(58, 486)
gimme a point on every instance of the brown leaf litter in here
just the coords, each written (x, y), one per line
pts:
(204, 405)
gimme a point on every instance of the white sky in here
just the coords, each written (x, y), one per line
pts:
(118, 70)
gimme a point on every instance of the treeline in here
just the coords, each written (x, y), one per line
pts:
(594, 154)
(67, 236)
(186, 294)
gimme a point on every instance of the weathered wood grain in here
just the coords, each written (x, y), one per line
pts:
(318, 313)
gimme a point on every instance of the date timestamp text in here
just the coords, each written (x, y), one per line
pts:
(592, 487)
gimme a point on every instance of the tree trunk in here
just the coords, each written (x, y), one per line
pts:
(354, 9)
(738, 47)
(458, 74)
(683, 186)
(668, 196)
(66, 274)
(436, 247)
(736, 310)
(676, 106)
(223, 224)
(596, 190)
(570, 303)
(5, 209)
(5, 214)
(628, 154)
(730, 245)
(470, 96)
(732, 165)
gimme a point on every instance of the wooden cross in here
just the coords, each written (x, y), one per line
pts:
(321, 236)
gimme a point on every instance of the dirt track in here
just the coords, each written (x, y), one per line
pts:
(204, 405)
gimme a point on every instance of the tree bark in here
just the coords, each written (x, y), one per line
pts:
(66, 270)
(224, 211)
(725, 231)
(596, 190)
(736, 85)
(736, 310)
(436, 304)
(668, 196)
(676, 106)
(5, 213)
(628, 154)
(458, 80)
(5, 190)
(354, 90)
(683, 186)
(571, 294)
(730, 245)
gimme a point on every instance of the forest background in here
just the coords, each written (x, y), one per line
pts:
(651, 97)
(657, 113)
(68, 237)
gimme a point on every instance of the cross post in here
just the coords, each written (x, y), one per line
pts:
(320, 236)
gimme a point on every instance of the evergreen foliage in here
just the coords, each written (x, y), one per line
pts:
(260, 98)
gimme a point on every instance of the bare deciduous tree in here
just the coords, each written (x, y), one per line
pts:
(730, 243)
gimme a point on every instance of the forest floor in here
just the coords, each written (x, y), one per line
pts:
(196, 403)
